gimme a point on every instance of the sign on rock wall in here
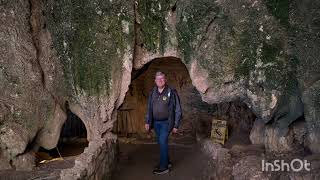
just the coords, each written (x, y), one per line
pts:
(219, 131)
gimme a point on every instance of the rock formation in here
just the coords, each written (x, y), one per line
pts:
(264, 53)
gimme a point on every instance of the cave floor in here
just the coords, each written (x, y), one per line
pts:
(48, 171)
(136, 162)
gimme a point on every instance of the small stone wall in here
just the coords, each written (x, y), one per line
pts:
(96, 162)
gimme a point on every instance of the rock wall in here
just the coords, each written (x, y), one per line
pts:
(246, 162)
(243, 50)
(305, 41)
(53, 52)
(263, 52)
(26, 102)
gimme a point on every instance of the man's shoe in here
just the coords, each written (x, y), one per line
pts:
(160, 171)
(170, 165)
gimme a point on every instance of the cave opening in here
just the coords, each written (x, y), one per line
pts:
(72, 140)
(197, 115)
(240, 120)
(130, 120)
(136, 145)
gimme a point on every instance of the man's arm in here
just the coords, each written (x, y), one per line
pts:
(178, 112)
(148, 118)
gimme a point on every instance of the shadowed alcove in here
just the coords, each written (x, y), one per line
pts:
(72, 140)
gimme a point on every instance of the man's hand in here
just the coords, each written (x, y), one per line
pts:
(147, 126)
(175, 130)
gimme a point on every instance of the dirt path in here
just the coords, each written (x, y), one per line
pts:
(136, 162)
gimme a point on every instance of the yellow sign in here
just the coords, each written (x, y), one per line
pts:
(219, 131)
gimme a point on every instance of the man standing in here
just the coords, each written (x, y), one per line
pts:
(164, 115)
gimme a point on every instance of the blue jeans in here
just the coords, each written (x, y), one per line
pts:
(162, 130)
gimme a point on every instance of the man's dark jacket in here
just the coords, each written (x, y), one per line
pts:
(175, 113)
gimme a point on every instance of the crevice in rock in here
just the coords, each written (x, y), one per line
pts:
(35, 26)
(137, 72)
(135, 31)
(174, 7)
(206, 31)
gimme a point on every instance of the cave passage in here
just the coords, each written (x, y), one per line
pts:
(72, 141)
(130, 120)
(197, 114)
(138, 150)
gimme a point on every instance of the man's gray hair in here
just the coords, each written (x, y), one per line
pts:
(159, 73)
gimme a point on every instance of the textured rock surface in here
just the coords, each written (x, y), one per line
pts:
(261, 52)
(219, 161)
(26, 161)
(94, 42)
(47, 59)
(25, 104)
(305, 47)
(242, 49)
(4, 163)
(14, 139)
(245, 162)
(271, 137)
(49, 135)
(257, 132)
(247, 168)
(96, 162)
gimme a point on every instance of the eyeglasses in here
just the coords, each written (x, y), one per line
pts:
(158, 79)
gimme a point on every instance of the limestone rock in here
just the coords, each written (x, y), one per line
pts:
(215, 151)
(249, 167)
(256, 51)
(48, 136)
(257, 132)
(311, 98)
(24, 162)
(305, 47)
(96, 162)
(219, 161)
(25, 102)
(276, 143)
(314, 172)
(4, 163)
(239, 151)
(13, 140)
(300, 132)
